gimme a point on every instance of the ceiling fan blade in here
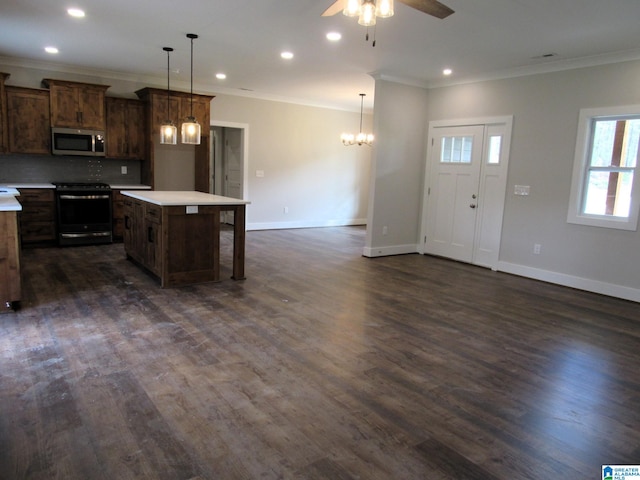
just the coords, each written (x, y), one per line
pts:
(336, 7)
(430, 7)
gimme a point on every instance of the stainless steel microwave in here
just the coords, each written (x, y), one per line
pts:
(73, 141)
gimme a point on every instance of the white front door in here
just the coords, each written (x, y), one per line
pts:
(455, 178)
(466, 174)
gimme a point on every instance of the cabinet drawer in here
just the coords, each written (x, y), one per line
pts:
(29, 195)
(37, 213)
(153, 213)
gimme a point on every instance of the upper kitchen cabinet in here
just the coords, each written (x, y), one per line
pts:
(76, 105)
(28, 120)
(3, 115)
(180, 106)
(125, 133)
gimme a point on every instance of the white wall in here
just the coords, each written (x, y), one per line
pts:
(306, 167)
(545, 109)
(396, 185)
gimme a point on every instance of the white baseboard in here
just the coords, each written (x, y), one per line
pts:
(305, 224)
(612, 290)
(390, 250)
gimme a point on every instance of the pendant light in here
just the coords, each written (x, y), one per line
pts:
(168, 131)
(361, 138)
(191, 127)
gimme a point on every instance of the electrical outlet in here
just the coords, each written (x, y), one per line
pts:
(123, 170)
(537, 248)
(285, 209)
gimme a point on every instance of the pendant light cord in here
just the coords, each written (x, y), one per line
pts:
(361, 106)
(192, 36)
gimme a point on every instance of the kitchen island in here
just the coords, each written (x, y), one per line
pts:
(10, 281)
(176, 234)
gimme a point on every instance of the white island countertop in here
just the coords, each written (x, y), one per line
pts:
(10, 204)
(182, 198)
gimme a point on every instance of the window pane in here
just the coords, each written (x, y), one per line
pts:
(456, 149)
(495, 143)
(608, 193)
(603, 135)
(632, 138)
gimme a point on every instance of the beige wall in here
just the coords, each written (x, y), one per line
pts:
(545, 109)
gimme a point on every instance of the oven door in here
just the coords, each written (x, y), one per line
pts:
(84, 218)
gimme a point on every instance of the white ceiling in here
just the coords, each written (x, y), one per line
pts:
(244, 38)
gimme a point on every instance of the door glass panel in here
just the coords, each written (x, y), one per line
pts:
(495, 142)
(456, 149)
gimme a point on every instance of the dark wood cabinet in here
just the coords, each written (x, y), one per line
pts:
(76, 105)
(125, 128)
(117, 210)
(28, 120)
(4, 134)
(38, 216)
(180, 105)
(142, 233)
(10, 281)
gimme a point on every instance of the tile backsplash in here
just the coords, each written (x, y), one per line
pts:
(15, 168)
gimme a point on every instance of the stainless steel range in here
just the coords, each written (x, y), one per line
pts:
(84, 215)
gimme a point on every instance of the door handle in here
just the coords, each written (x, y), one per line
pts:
(473, 205)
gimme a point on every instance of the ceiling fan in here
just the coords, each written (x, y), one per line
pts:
(430, 7)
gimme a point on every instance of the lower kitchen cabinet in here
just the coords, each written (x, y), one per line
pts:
(142, 233)
(10, 282)
(38, 216)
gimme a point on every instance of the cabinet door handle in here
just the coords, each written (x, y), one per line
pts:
(127, 223)
(150, 234)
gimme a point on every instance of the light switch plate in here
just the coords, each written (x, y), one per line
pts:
(521, 190)
(192, 208)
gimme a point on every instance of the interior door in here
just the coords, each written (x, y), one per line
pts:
(453, 190)
(232, 166)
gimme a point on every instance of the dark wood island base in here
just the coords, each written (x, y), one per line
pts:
(176, 235)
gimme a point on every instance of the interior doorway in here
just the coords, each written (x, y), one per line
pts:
(229, 162)
(465, 187)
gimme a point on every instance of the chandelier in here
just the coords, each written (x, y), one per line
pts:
(368, 10)
(361, 138)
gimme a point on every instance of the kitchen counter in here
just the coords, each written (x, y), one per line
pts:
(9, 203)
(183, 198)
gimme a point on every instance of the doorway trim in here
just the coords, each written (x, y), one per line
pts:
(506, 124)
(245, 151)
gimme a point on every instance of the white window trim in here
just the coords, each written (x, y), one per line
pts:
(579, 173)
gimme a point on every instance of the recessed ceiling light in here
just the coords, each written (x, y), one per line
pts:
(221, 76)
(287, 55)
(51, 49)
(76, 12)
(447, 71)
(334, 36)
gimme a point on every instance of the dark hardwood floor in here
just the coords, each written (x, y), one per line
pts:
(322, 364)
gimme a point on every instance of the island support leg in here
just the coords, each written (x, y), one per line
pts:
(238, 242)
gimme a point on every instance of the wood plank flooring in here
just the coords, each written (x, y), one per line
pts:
(322, 364)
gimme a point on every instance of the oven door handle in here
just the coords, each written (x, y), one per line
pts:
(83, 197)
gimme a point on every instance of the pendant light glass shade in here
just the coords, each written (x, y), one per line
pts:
(191, 127)
(191, 131)
(168, 131)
